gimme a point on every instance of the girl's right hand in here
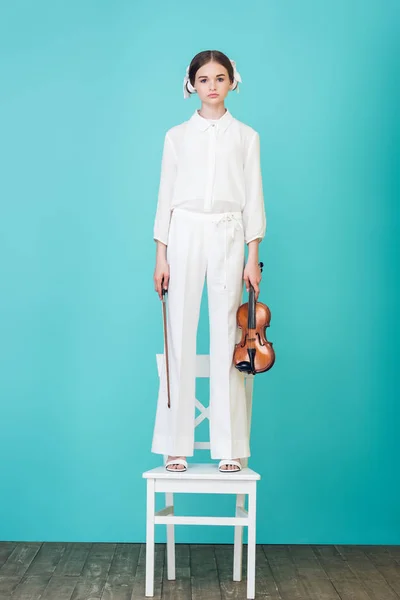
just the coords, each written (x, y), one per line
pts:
(161, 273)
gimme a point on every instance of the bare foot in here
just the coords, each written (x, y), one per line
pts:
(230, 467)
(176, 467)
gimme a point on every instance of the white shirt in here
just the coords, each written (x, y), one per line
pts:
(211, 165)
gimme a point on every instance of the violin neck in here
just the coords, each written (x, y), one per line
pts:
(251, 316)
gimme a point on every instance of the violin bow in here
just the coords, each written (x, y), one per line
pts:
(164, 313)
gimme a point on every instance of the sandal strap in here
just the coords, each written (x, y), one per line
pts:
(223, 463)
(176, 461)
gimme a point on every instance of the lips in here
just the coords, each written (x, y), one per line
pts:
(212, 95)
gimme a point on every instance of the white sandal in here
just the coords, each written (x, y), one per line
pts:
(176, 461)
(224, 463)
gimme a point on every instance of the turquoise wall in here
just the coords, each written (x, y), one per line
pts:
(88, 89)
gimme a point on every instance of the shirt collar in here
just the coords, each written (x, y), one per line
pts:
(202, 124)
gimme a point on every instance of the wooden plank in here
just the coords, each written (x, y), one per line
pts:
(312, 575)
(8, 583)
(265, 581)
(346, 583)
(36, 579)
(73, 559)
(224, 558)
(121, 576)
(124, 564)
(94, 573)
(306, 562)
(31, 587)
(122, 591)
(47, 559)
(180, 588)
(203, 568)
(140, 575)
(20, 559)
(285, 573)
(6, 549)
(60, 588)
(394, 550)
(385, 561)
(265, 584)
(374, 582)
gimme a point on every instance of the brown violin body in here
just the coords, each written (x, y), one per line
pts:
(254, 353)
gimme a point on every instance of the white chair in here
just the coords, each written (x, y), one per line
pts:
(203, 478)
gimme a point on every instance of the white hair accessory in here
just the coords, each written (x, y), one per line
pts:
(188, 89)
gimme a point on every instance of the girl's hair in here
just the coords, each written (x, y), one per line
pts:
(202, 58)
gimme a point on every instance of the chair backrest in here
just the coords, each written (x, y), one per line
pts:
(203, 370)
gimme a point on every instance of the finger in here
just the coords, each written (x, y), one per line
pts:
(160, 286)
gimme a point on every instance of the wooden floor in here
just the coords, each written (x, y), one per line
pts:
(85, 571)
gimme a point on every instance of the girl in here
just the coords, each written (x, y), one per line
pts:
(210, 203)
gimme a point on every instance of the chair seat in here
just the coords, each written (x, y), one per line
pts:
(202, 471)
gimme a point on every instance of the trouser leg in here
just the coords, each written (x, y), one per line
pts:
(228, 414)
(174, 427)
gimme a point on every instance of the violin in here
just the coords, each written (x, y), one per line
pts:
(254, 353)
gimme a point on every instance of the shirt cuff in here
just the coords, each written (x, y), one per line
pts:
(161, 239)
(259, 237)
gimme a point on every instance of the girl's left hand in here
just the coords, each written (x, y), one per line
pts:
(252, 274)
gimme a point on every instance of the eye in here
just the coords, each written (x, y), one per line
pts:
(204, 80)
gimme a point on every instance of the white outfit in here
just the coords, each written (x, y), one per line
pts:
(211, 167)
(210, 202)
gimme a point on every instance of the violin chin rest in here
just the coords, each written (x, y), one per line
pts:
(244, 366)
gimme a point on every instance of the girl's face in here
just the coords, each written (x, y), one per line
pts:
(212, 83)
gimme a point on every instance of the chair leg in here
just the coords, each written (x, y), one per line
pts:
(169, 501)
(251, 543)
(238, 543)
(150, 512)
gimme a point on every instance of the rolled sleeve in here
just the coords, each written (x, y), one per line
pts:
(254, 218)
(165, 192)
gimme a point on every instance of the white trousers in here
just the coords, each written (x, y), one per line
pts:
(203, 246)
